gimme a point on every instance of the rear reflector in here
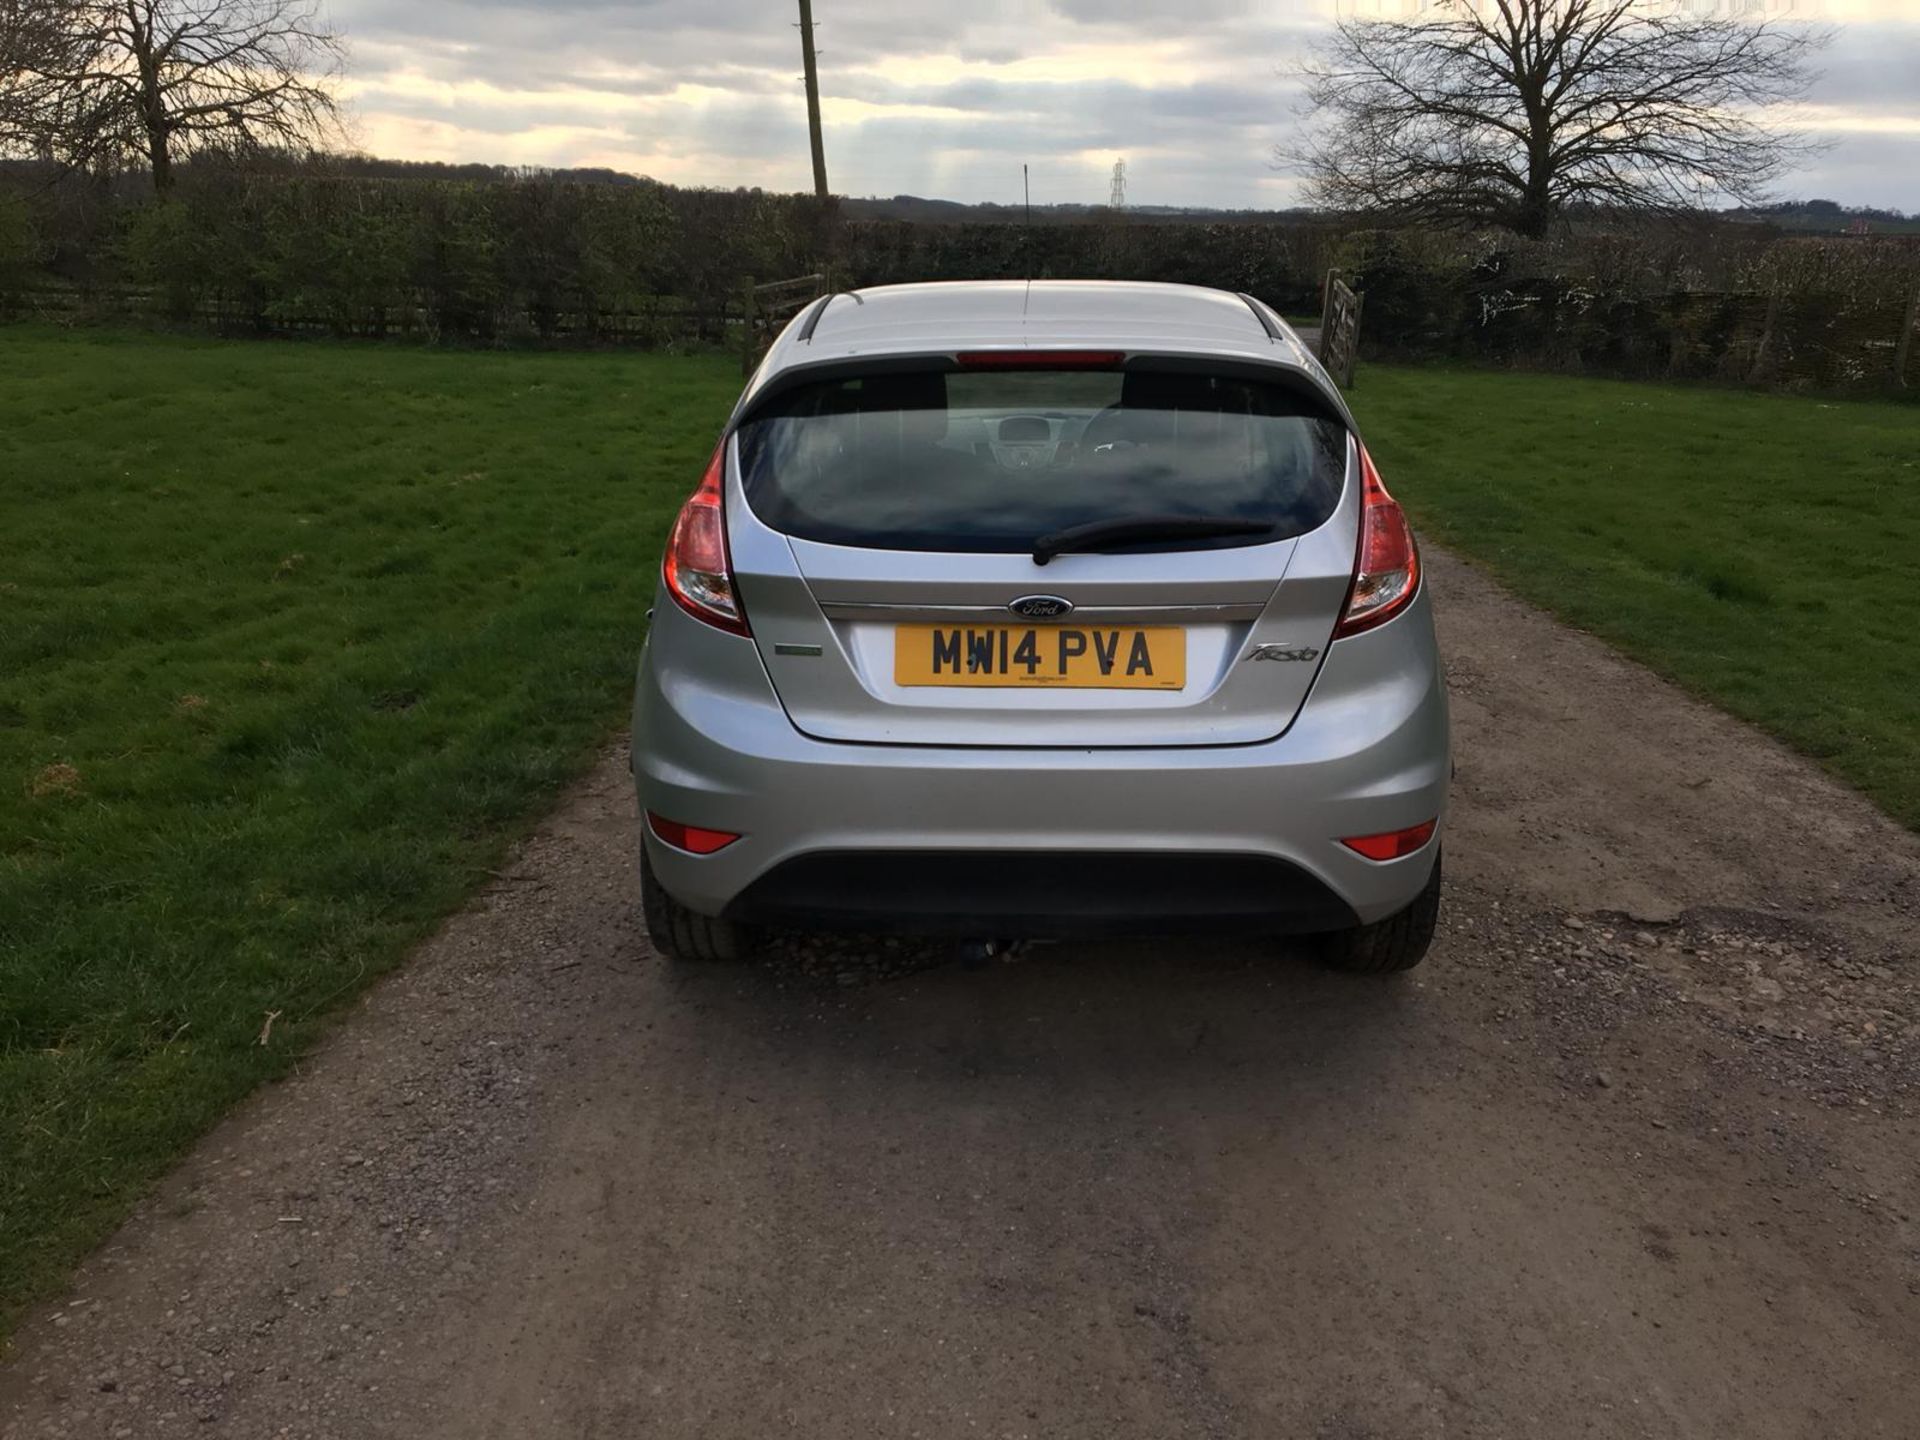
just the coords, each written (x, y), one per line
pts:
(1393, 844)
(690, 838)
(1040, 359)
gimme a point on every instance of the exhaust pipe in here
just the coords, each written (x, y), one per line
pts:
(976, 954)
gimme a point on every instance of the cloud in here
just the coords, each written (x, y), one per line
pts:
(949, 99)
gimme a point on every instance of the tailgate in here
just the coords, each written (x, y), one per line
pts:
(882, 543)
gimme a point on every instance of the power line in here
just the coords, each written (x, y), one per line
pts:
(1117, 196)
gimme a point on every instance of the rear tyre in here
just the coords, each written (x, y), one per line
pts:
(685, 935)
(1396, 943)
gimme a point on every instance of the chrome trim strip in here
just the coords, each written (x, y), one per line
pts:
(844, 610)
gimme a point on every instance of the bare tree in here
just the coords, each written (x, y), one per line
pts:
(150, 79)
(32, 34)
(1507, 111)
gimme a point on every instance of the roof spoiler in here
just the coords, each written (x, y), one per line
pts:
(798, 376)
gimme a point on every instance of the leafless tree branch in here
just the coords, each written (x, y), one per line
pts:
(1509, 111)
(99, 80)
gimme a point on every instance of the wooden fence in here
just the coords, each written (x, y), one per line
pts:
(769, 307)
(1340, 329)
(654, 321)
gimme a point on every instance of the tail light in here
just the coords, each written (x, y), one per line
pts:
(1387, 571)
(696, 569)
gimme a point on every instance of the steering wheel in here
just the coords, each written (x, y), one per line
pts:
(1105, 429)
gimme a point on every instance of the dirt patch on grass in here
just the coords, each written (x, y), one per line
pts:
(58, 780)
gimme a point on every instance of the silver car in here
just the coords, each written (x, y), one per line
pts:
(1037, 609)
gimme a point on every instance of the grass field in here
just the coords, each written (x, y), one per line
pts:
(295, 638)
(1757, 549)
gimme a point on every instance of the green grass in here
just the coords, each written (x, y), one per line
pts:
(295, 638)
(293, 641)
(1757, 549)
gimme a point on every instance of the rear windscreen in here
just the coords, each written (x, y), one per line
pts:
(992, 460)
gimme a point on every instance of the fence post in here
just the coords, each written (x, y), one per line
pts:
(1758, 369)
(747, 324)
(1905, 348)
(1353, 350)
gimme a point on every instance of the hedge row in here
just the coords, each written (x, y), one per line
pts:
(1723, 302)
(452, 260)
(1793, 313)
(482, 260)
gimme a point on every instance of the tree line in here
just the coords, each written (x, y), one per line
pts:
(1470, 113)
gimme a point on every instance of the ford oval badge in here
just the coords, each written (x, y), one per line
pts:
(1040, 607)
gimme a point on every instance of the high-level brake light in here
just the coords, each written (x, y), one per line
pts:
(1040, 359)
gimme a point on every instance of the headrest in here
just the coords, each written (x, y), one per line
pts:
(906, 390)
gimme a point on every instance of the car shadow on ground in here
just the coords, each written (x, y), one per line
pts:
(1127, 1013)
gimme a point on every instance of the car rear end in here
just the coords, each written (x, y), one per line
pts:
(1020, 639)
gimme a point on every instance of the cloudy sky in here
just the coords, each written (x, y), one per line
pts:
(948, 97)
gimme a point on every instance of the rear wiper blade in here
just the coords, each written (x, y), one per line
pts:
(1133, 529)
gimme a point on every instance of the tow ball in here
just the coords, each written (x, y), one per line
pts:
(977, 954)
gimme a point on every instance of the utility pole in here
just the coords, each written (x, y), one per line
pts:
(813, 101)
(1026, 191)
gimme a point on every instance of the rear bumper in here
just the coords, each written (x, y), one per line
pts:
(1041, 894)
(1043, 841)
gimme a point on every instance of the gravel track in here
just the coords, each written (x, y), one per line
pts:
(1632, 1155)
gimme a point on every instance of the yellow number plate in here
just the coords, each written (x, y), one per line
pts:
(1075, 657)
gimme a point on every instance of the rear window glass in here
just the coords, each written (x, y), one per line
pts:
(992, 460)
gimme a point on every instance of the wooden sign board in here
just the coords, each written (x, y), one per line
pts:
(1340, 329)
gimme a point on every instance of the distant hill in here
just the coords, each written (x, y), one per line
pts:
(375, 167)
(1799, 217)
(1829, 217)
(953, 212)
